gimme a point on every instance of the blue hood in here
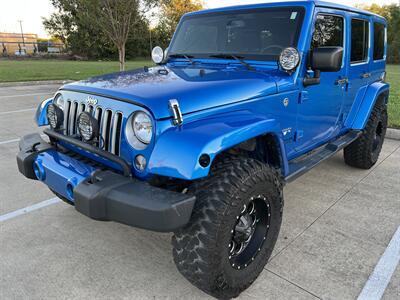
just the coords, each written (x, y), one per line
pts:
(196, 87)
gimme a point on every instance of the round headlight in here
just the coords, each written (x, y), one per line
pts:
(59, 101)
(157, 55)
(289, 59)
(142, 127)
(55, 116)
(88, 127)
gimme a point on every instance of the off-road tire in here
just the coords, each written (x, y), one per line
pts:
(201, 251)
(363, 153)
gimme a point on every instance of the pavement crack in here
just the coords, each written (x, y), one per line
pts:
(293, 283)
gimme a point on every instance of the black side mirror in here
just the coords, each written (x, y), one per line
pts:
(324, 59)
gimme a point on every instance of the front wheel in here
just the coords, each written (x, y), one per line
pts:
(233, 229)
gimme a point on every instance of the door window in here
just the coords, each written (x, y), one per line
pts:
(379, 41)
(328, 31)
(359, 40)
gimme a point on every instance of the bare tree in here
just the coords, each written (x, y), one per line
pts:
(115, 18)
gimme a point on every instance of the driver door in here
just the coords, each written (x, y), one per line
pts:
(320, 109)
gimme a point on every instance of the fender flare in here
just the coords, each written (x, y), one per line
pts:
(177, 151)
(373, 92)
(41, 113)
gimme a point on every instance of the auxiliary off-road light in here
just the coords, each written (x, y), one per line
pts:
(55, 116)
(289, 59)
(88, 126)
(157, 55)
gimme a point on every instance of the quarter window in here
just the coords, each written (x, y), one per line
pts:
(328, 31)
(359, 40)
(379, 40)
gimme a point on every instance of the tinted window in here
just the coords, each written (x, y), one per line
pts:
(252, 34)
(379, 40)
(359, 40)
(328, 31)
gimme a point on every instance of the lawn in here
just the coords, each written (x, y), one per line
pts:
(31, 70)
(28, 70)
(393, 77)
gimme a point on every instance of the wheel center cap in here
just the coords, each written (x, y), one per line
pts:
(243, 229)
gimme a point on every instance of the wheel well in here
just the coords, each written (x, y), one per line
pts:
(264, 148)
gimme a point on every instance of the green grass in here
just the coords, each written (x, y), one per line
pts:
(31, 70)
(393, 77)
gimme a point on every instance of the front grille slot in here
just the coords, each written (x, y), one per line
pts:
(116, 133)
(110, 124)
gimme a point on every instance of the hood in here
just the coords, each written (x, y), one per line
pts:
(196, 87)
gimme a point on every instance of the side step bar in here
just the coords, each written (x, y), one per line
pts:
(304, 163)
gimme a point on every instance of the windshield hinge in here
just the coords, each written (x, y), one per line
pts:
(176, 112)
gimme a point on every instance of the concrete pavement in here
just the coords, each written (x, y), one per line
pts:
(337, 224)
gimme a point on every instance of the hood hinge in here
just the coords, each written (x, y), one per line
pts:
(176, 112)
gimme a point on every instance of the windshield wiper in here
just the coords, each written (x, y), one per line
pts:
(181, 55)
(232, 56)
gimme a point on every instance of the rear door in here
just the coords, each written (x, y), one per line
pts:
(358, 58)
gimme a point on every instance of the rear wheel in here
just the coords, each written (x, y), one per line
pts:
(233, 229)
(364, 152)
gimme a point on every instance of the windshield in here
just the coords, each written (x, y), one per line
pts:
(259, 34)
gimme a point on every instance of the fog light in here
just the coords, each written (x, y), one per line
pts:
(55, 116)
(140, 162)
(88, 126)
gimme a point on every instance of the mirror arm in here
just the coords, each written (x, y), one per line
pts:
(312, 80)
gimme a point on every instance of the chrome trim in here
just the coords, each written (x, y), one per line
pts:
(67, 105)
(114, 129)
(72, 118)
(104, 129)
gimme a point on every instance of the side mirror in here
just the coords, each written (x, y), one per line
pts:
(157, 55)
(324, 59)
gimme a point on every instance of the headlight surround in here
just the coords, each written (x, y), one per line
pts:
(142, 127)
(59, 101)
(289, 59)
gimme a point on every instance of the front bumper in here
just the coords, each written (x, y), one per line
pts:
(103, 194)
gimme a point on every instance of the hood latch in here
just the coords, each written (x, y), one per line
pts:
(176, 112)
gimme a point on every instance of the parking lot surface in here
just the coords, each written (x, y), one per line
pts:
(338, 222)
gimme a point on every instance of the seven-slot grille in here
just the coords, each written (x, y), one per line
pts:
(110, 124)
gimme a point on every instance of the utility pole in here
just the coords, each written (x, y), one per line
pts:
(22, 32)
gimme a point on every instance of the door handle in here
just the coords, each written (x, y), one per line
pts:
(342, 81)
(365, 75)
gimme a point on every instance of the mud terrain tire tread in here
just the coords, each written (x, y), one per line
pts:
(197, 254)
(359, 154)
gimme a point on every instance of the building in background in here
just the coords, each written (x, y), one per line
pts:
(18, 44)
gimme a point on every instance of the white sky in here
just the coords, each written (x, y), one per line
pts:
(32, 11)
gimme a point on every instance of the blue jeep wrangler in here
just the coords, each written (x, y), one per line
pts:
(245, 99)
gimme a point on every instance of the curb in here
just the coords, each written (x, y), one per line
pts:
(28, 83)
(393, 134)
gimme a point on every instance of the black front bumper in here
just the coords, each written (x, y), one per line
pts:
(110, 196)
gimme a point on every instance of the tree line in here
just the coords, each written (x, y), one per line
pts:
(107, 29)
